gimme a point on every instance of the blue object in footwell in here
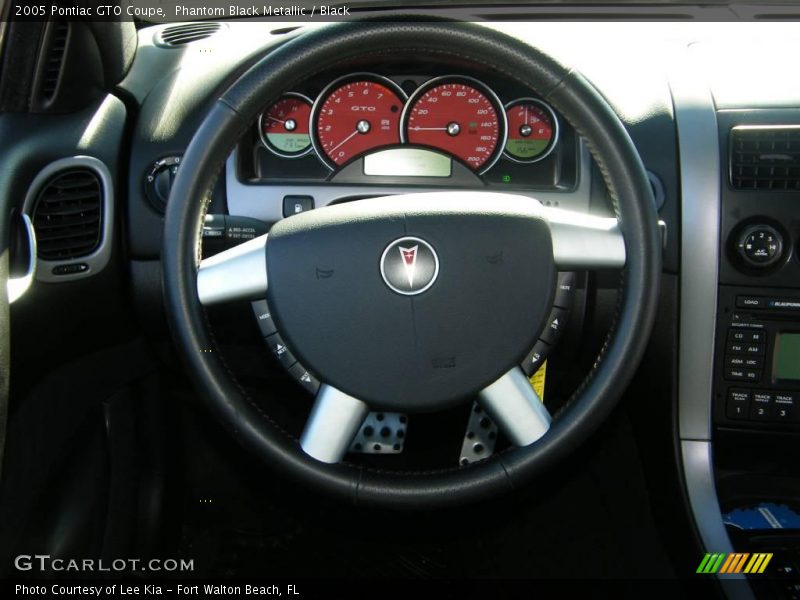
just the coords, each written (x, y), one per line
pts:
(763, 516)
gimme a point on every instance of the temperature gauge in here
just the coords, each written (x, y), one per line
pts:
(284, 126)
(532, 130)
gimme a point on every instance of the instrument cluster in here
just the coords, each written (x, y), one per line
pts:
(454, 114)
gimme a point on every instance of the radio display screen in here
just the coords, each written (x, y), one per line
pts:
(786, 362)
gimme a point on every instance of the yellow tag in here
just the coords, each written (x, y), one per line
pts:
(537, 380)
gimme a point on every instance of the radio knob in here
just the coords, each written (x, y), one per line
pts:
(760, 246)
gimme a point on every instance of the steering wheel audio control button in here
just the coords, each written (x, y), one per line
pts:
(556, 323)
(281, 352)
(535, 358)
(306, 380)
(565, 289)
(264, 318)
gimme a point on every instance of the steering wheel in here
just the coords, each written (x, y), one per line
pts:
(401, 283)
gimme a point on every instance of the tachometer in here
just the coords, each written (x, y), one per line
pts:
(355, 114)
(532, 130)
(458, 115)
(283, 127)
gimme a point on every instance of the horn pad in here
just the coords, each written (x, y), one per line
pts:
(414, 302)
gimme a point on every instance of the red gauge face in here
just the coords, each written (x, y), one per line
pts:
(357, 117)
(531, 130)
(284, 126)
(457, 118)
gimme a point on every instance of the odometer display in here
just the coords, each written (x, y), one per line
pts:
(459, 116)
(284, 126)
(356, 115)
(532, 130)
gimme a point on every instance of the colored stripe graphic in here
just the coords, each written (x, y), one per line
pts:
(758, 563)
(734, 563)
(711, 563)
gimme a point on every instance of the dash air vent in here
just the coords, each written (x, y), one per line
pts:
(180, 35)
(67, 215)
(51, 70)
(765, 157)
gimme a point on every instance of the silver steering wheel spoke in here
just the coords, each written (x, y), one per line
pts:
(516, 408)
(238, 273)
(582, 241)
(333, 423)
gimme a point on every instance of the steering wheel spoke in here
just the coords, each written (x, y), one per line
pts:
(516, 408)
(582, 241)
(333, 423)
(239, 273)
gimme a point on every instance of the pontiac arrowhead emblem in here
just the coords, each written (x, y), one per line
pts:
(409, 266)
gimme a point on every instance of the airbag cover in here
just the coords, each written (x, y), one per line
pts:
(401, 347)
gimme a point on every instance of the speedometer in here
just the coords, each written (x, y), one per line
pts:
(460, 116)
(355, 114)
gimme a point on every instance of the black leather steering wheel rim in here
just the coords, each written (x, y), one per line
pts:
(573, 97)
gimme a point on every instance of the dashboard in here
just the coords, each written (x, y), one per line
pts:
(411, 126)
(385, 126)
(454, 114)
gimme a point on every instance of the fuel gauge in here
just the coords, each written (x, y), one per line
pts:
(532, 130)
(283, 127)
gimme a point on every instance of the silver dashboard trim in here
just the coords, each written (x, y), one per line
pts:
(97, 260)
(698, 143)
(265, 201)
(17, 286)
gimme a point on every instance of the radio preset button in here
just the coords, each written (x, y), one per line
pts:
(785, 407)
(761, 409)
(738, 406)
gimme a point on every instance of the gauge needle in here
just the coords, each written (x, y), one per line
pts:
(345, 140)
(274, 119)
(429, 128)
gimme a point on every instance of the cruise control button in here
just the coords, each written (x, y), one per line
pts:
(279, 349)
(264, 317)
(565, 289)
(535, 358)
(761, 410)
(556, 323)
(785, 407)
(738, 406)
(301, 375)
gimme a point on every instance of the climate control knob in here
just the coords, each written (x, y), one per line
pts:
(760, 246)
